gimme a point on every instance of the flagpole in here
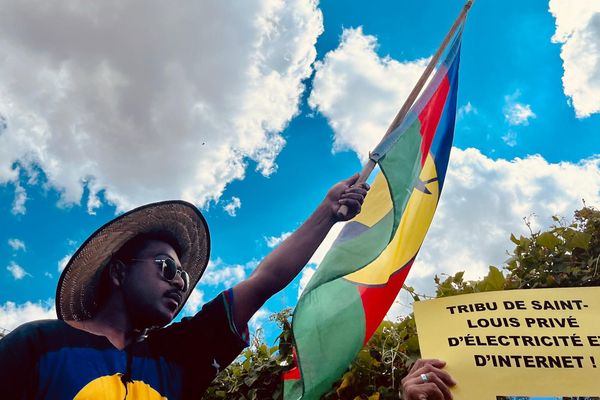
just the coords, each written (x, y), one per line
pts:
(370, 165)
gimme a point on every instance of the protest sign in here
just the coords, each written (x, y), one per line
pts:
(535, 342)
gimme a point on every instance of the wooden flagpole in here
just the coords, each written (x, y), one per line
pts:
(370, 165)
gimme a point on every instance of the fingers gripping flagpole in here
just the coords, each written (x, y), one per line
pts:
(370, 165)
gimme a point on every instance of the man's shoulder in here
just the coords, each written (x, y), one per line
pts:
(34, 329)
(42, 325)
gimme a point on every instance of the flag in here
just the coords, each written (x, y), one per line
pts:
(360, 277)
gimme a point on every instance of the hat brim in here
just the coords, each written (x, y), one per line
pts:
(78, 283)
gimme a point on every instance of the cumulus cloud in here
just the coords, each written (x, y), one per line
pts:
(194, 302)
(578, 30)
(484, 201)
(17, 271)
(232, 207)
(354, 80)
(274, 241)
(218, 273)
(12, 315)
(137, 101)
(16, 244)
(517, 113)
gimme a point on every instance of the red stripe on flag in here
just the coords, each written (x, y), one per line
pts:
(378, 300)
(430, 116)
(294, 373)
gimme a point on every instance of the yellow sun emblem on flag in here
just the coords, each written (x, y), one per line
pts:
(412, 228)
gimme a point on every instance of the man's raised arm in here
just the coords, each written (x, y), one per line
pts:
(282, 265)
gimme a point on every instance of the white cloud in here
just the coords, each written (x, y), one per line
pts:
(466, 110)
(16, 244)
(258, 319)
(578, 30)
(194, 302)
(18, 206)
(353, 80)
(62, 263)
(485, 200)
(232, 207)
(219, 273)
(510, 138)
(517, 113)
(17, 271)
(178, 97)
(274, 241)
(48, 275)
(12, 315)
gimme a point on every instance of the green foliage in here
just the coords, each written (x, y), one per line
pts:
(562, 256)
(566, 255)
(257, 375)
(454, 285)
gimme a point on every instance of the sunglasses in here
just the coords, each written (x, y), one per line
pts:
(169, 270)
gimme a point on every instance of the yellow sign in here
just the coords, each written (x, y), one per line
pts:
(535, 342)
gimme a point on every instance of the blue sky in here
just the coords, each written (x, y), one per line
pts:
(252, 111)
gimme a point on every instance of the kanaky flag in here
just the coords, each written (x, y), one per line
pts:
(360, 277)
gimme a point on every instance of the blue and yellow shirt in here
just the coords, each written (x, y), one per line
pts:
(52, 360)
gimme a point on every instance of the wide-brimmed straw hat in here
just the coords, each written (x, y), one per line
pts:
(78, 284)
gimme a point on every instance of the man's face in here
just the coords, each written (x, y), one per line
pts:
(151, 300)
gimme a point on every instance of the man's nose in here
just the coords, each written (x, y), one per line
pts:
(178, 281)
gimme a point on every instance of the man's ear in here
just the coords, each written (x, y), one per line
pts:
(117, 271)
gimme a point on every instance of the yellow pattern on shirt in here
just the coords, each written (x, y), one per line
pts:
(112, 388)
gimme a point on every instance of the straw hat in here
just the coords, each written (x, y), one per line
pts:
(77, 287)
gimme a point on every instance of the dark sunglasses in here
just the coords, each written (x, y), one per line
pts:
(169, 270)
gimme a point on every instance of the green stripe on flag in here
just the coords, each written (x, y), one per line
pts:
(332, 311)
(401, 166)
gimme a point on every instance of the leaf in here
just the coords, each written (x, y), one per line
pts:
(576, 239)
(548, 240)
(346, 382)
(493, 281)
(514, 239)
(458, 277)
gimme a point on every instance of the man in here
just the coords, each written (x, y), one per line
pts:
(129, 279)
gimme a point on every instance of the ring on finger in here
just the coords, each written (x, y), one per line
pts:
(424, 378)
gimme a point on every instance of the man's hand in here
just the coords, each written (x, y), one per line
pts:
(343, 193)
(427, 381)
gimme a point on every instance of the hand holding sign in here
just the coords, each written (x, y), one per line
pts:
(427, 381)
